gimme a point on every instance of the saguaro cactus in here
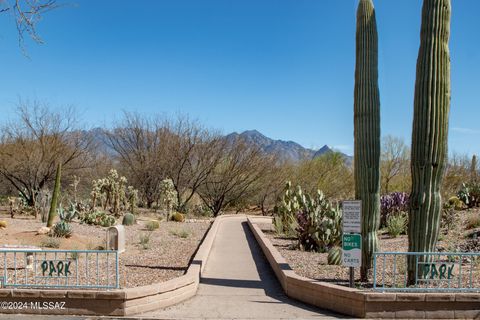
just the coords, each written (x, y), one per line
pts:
(473, 169)
(430, 129)
(367, 130)
(56, 191)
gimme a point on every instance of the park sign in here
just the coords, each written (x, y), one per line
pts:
(352, 216)
(351, 250)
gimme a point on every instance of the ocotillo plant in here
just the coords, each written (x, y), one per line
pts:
(56, 191)
(367, 130)
(430, 130)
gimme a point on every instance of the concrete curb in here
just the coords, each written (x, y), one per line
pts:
(365, 304)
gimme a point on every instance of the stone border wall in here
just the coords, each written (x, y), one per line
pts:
(365, 304)
(122, 302)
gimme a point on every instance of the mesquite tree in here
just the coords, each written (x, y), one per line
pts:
(367, 130)
(430, 129)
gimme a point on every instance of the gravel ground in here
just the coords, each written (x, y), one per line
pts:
(314, 265)
(167, 255)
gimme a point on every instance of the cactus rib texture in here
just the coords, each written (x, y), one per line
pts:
(56, 191)
(430, 129)
(367, 130)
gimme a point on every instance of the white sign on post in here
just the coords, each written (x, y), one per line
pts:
(352, 216)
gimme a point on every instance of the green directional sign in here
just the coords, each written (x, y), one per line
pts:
(352, 250)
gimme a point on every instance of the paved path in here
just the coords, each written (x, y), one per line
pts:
(238, 283)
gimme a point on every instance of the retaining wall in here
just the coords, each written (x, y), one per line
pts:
(361, 303)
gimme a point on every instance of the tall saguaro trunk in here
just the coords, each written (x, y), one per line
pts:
(430, 130)
(367, 131)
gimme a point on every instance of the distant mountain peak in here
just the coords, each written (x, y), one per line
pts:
(286, 150)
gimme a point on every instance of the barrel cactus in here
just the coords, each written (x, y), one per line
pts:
(178, 217)
(430, 130)
(335, 256)
(128, 219)
(367, 130)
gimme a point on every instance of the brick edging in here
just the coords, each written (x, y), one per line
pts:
(365, 304)
(121, 302)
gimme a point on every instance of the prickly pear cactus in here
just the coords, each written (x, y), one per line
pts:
(430, 129)
(367, 130)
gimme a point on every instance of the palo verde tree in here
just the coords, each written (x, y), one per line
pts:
(430, 130)
(367, 130)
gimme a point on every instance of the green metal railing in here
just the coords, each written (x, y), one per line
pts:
(30, 268)
(435, 271)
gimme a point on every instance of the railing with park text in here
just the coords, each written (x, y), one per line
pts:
(433, 271)
(29, 268)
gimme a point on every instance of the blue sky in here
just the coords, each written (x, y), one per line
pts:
(285, 68)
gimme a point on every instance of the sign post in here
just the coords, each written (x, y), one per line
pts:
(352, 238)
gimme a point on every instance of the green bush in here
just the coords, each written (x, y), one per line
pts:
(99, 218)
(152, 225)
(397, 224)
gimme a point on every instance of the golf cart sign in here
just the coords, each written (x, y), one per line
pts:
(352, 250)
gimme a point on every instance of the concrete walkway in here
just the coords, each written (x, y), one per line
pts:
(238, 283)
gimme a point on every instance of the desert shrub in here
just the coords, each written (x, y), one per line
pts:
(99, 218)
(145, 240)
(182, 233)
(393, 203)
(473, 221)
(152, 225)
(397, 224)
(469, 194)
(51, 243)
(3, 224)
(449, 215)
